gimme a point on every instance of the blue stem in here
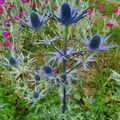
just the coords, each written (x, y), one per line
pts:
(64, 100)
(64, 70)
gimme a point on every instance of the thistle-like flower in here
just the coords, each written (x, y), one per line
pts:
(68, 16)
(96, 43)
(35, 21)
(35, 95)
(11, 61)
(47, 70)
(37, 77)
(21, 85)
(23, 67)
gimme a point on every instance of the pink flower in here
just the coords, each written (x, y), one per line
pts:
(109, 24)
(118, 4)
(115, 10)
(6, 44)
(32, 5)
(24, 1)
(11, 6)
(1, 10)
(2, 2)
(100, 7)
(46, 1)
(21, 13)
(16, 17)
(5, 34)
(6, 22)
(89, 11)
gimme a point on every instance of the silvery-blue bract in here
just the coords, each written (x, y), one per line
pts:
(68, 16)
(47, 70)
(96, 43)
(11, 61)
(35, 21)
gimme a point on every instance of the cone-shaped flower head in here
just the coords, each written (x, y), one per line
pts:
(68, 16)
(47, 70)
(12, 60)
(65, 13)
(96, 43)
(34, 21)
(37, 77)
(35, 95)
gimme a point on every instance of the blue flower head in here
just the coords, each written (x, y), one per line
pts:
(34, 20)
(96, 43)
(12, 61)
(47, 70)
(68, 16)
(37, 77)
(65, 13)
(35, 95)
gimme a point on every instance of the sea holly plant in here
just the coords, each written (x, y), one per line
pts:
(57, 69)
(68, 16)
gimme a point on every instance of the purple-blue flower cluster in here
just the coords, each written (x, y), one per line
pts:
(95, 43)
(68, 15)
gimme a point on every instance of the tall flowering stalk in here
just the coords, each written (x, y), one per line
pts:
(67, 16)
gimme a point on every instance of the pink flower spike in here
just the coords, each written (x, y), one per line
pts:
(6, 44)
(2, 2)
(5, 34)
(46, 1)
(89, 11)
(115, 10)
(109, 24)
(100, 7)
(21, 13)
